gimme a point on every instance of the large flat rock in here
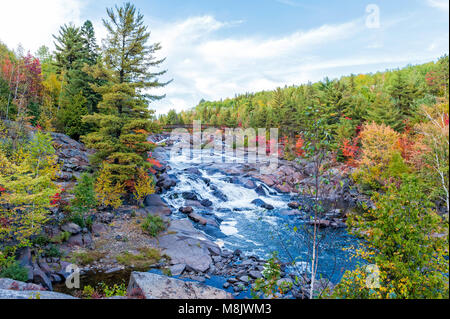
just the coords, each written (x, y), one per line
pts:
(155, 286)
(28, 294)
(186, 245)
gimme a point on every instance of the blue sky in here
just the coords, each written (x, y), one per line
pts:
(218, 48)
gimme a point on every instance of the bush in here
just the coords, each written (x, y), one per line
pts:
(401, 243)
(14, 271)
(84, 194)
(153, 225)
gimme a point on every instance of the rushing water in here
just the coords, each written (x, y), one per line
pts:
(254, 230)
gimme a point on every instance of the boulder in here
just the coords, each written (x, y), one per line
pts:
(29, 294)
(10, 284)
(39, 277)
(186, 245)
(260, 191)
(186, 210)
(202, 220)
(71, 228)
(156, 206)
(155, 286)
(260, 203)
(255, 274)
(294, 205)
(217, 193)
(193, 171)
(282, 188)
(267, 180)
(206, 203)
(99, 228)
(189, 196)
(177, 270)
(248, 183)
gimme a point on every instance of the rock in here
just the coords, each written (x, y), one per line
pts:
(226, 285)
(244, 279)
(10, 284)
(248, 184)
(282, 188)
(99, 228)
(289, 212)
(166, 182)
(13, 294)
(177, 270)
(156, 206)
(193, 171)
(24, 257)
(39, 277)
(220, 195)
(294, 205)
(193, 203)
(155, 286)
(260, 191)
(186, 245)
(197, 218)
(105, 218)
(76, 240)
(260, 203)
(237, 252)
(255, 274)
(186, 210)
(267, 180)
(189, 196)
(206, 203)
(71, 228)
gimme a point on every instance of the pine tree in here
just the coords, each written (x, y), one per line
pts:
(383, 111)
(122, 123)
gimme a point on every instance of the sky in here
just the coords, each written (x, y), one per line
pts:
(216, 49)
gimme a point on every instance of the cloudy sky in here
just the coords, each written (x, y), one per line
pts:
(218, 48)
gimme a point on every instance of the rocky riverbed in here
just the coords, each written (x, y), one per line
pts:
(218, 216)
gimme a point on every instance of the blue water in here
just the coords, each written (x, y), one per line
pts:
(254, 230)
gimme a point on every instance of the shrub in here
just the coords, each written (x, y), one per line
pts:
(153, 225)
(14, 271)
(84, 194)
(143, 186)
(401, 241)
(108, 193)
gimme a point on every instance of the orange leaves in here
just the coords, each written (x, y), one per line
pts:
(154, 163)
(350, 150)
(299, 151)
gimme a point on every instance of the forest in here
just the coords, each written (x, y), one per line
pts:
(391, 128)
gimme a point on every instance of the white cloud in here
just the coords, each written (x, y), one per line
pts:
(439, 4)
(32, 23)
(204, 65)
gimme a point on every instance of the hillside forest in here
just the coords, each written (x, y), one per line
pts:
(390, 129)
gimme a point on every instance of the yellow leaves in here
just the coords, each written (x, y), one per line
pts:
(108, 194)
(379, 143)
(143, 185)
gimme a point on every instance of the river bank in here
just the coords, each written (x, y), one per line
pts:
(223, 223)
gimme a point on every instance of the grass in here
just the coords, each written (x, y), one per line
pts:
(153, 225)
(84, 258)
(146, 258)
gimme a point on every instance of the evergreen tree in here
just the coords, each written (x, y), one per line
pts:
(383, 111)
(403, 94)
(123, 121)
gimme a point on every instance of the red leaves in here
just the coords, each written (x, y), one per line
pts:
(55, 200)
(154, 163)
(350, 150)
(299, 151)
(2, 189)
